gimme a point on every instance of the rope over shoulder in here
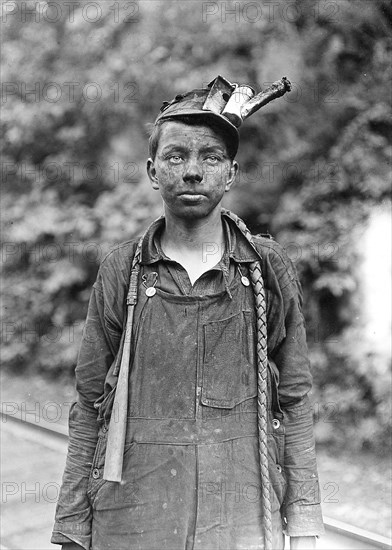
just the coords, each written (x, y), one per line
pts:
(262, 370)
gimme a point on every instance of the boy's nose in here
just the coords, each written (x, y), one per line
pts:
(193, 172)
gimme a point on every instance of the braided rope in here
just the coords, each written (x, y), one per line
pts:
(135, 269)
(262, 362)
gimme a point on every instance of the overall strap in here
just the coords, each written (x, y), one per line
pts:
(262, 370)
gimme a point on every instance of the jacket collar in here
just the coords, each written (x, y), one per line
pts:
(237, 246)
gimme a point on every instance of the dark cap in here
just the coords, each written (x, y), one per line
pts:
(221, 105)
(206, 105)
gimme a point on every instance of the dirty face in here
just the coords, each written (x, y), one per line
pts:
(192, 170)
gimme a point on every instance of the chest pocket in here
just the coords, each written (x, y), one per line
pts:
(229, 362)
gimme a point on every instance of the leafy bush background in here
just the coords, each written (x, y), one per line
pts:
(314, 166)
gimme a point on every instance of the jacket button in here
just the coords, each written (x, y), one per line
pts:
(104, 429)
(279, 468)
(151, 291)
(275, 423)
(245, 281)
(95, 473)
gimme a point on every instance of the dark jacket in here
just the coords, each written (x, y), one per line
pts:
(101, 351)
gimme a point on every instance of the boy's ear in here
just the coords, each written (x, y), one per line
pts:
(232, 175)
(152, 174)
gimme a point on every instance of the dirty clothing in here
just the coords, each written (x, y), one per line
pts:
(191, 475)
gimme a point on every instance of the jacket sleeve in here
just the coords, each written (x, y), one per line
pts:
(73, 513)
(99, 347)
(301, 508)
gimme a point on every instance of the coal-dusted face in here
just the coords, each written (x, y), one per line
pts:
(192, 169)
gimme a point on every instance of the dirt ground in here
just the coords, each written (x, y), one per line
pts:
(355, 489)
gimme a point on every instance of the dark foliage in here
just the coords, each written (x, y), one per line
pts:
(314, 168)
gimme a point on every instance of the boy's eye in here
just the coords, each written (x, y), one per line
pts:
(213, 159)
(175, 159)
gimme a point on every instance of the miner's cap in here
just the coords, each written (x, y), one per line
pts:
(221, 105)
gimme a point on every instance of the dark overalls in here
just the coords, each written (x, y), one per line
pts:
(191, 477)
